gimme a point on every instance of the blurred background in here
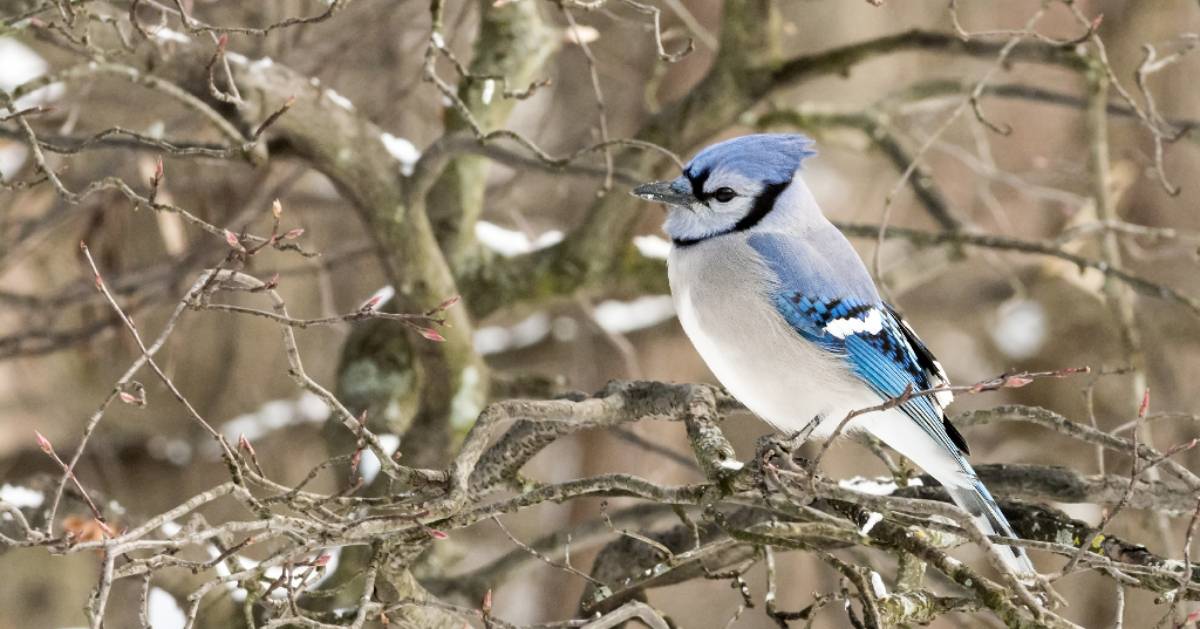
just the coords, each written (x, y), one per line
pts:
(982, 311)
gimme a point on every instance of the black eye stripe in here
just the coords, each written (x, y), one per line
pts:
(698, 180)
(763, 204)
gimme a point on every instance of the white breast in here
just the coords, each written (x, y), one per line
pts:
(720, 289)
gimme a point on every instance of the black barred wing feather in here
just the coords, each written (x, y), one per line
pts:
(881, 349)
(934, 374)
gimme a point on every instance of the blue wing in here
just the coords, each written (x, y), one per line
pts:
(826, 295)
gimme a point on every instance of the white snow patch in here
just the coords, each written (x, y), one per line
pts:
(335, 555)
(495, 339)
(21, 497)
(12, 158)
(438, 40)
(1021, 328)
(156, 129)
(338, 99)
(878, 586)
(619, 317)
(163, 610)
(873, 486)
(275, 573)
(19, 64)
(170, 528)
(467, 402)
(613, 316)
(236, 593)
(872, 519)
(731, 464)
(404, 151)
(489, 90)
(116, 508)
(651, 246)
(276, 414)
(261, 64)
(510, 242)
(580, 35)
(236, 58)
(167, 34)
(882, 486)
(370, 465)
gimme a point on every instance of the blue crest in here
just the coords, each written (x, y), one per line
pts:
(771, 158)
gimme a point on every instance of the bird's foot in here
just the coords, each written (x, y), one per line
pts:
(779, 451)
(792, 442)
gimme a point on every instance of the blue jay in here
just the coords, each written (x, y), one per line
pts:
(781, 308)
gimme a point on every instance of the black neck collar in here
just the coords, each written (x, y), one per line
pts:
(763, 204)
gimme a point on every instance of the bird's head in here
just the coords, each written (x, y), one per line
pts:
(729, 186)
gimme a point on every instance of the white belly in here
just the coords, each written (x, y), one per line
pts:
(719, 295)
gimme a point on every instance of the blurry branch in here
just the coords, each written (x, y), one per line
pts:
(511, 48)
(118, 138)
(922, 238)
(196, 26)
(230, 280)
(1101, 77)
(1116, 295)
(1057, 423)
(555, 546)
(124, 381)
(706, 38)
(1027, 32)
(138, 290)
(428, 168)
(923, 93)
(576, 35)
(463, 143)
(154, 82)
(339, 142)
(840, 60)
(972, 100)
(450, 144)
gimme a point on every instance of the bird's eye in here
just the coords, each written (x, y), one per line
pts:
(724, 195)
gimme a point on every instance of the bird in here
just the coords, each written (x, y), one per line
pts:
(785, 314)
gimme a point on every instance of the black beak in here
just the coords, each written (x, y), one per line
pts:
(662, 192)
